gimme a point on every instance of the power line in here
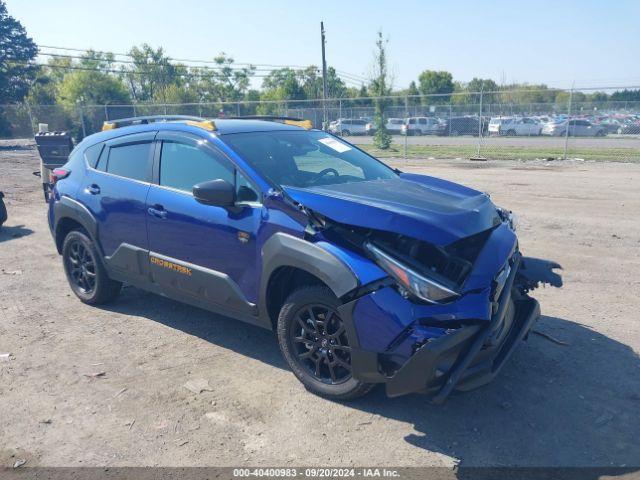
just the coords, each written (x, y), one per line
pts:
(120, 72)
(270, 67)
(175, 59)
(131, 62)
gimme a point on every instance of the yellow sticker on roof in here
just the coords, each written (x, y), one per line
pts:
(334, 144)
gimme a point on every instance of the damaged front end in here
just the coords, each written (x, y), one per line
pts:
(443, 317)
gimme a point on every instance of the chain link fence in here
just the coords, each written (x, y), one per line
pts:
(522, 124)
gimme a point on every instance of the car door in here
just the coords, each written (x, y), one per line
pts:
(205, 252)
(115, 192)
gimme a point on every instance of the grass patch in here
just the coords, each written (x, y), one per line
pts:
(505, 152)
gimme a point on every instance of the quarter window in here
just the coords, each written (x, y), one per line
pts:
(182, 166)
(92, 154)
(130, 161)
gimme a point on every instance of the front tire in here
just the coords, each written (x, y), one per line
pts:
(85, 272)
(314, 342)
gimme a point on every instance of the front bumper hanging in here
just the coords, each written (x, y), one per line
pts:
(468, 357)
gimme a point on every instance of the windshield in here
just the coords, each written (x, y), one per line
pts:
(306, 158)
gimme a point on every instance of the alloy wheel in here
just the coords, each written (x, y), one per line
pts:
(81, 267)
(319, 340)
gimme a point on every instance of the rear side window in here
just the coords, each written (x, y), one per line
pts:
(92, 154)
(130, 161)
(182, 166)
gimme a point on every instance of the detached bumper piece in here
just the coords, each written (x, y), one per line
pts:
(472, 355)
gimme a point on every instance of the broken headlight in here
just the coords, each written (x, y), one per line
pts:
(418, 284)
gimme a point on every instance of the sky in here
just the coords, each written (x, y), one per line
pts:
(591, 43)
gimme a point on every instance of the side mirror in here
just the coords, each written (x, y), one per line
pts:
(219, 193)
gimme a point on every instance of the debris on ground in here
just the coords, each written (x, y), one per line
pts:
(11, 272)
(46, 421)
(198, 385)
(19, 462)
(95, 375)
(130, 424)
(550, 338)
(5, 356)
(120, 392)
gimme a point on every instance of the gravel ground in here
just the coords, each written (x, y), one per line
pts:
(552, 405)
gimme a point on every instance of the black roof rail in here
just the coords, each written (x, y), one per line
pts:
(124, 122)
(298, 122)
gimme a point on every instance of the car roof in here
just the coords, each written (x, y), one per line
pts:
(222, 127)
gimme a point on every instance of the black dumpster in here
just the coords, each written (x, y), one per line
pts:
(54, 149)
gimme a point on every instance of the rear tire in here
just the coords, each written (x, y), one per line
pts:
(345, 133)
(313, 341)
(85, 272)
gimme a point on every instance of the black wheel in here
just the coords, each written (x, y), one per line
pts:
(511, 133)
(314, 341)
(345, 133)
(86, 274)
(454, 133)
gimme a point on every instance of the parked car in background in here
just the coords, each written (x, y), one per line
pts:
(455, 126)
(577, 128)
(392, 125)
(629, 128)
(511, 126)
(421, 126)
(348, 126)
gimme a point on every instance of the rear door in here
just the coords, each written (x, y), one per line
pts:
(206, 252)
(115, 191)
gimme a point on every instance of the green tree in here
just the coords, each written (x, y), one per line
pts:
(380, 88)
(89, 84)
(412, 91)
(224, 82)
(17, 72)
(626, 96)
(151, 74)
(17, 51)
(311, 81)
(280, 85)
(431, 82)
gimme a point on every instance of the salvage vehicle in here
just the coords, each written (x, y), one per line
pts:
(368, 275)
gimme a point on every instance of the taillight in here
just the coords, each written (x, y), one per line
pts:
(58, 174)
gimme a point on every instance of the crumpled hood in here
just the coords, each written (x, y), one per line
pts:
(418, 206)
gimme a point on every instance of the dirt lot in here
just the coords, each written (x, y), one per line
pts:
(561, 405)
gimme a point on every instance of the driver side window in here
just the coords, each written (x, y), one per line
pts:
(182, 166)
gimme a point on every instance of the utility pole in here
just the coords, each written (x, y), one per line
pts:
(325, 119)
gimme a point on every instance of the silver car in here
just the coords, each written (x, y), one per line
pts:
(577, 128)
(421, 126)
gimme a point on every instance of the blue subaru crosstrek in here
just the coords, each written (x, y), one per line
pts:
(367, 274)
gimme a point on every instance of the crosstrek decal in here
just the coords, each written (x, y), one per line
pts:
(171, 266)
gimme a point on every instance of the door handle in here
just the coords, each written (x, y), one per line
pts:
(93, 189)
(157, 211)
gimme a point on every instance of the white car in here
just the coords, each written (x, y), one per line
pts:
(392, 125)
(348, 126)
(512, 126)
(421, 126)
